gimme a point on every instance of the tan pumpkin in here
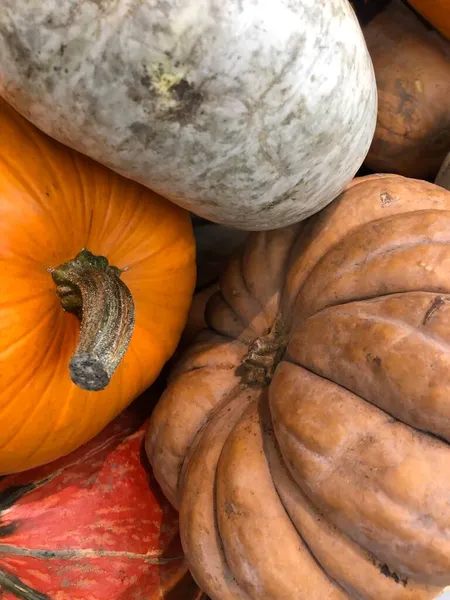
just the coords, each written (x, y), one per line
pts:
(412, 69)
(304, 435)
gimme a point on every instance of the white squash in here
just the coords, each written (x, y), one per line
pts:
(251, 113)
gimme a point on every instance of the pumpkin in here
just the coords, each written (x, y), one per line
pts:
(412, 69)
(196, 317)
(250, 113)
(304, 435)
(436, 12)
(443, 177)
(75, 235)
(92, 525)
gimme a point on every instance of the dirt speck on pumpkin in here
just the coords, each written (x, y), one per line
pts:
(386, 199)
(434, 307)
(384, 570)
(376, 359)
(230, 510)
(187, 100)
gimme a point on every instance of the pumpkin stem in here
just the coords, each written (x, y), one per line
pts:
(92, 289)
(264, 355)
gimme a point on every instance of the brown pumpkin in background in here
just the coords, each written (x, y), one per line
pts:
(412, 69)
(304, 435)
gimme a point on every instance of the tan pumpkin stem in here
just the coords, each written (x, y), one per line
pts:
(264, 354)
(92, 289)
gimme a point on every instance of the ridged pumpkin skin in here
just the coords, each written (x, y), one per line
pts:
(53, 203)
(332, 480)
(412, 69)
(251, 113)
(93, 525)
(437, 12)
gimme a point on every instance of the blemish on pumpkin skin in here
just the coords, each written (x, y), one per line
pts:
(188, 101)
(435, 306)
(384, 570)
(9, 529)
(375, 359)
(386, 199)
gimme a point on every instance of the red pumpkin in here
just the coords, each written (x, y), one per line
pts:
(92, 526)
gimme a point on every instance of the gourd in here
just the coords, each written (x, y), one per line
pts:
(436, 12)
(412, 68)
(92, 525)
(304, 435)
(79, 241)
(251, 113)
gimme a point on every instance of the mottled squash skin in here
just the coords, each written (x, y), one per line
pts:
(252, 113)
(412, 68)
(304, 436)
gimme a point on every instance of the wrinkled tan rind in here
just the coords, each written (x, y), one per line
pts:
(412, 68)
(384, 484)
(362, 291)
(261, 545)
(344, 560)
(196, 317)
(201, 381)
(370, 261)
(252, 285)
(366, 200)
(393, 351)
(198, 521)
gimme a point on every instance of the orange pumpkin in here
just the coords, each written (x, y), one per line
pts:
(437, 12)
(53, 204)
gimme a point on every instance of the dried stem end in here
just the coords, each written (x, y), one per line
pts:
(92, 289)
(264, 355)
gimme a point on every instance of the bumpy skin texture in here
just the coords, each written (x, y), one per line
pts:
(412, 67)
(330, 481)
(247, 112)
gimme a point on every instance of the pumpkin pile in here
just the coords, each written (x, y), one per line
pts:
(284, 432)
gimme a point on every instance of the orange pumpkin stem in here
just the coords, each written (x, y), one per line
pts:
(92, 289)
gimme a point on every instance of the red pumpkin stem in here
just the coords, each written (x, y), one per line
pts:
(92, 289)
